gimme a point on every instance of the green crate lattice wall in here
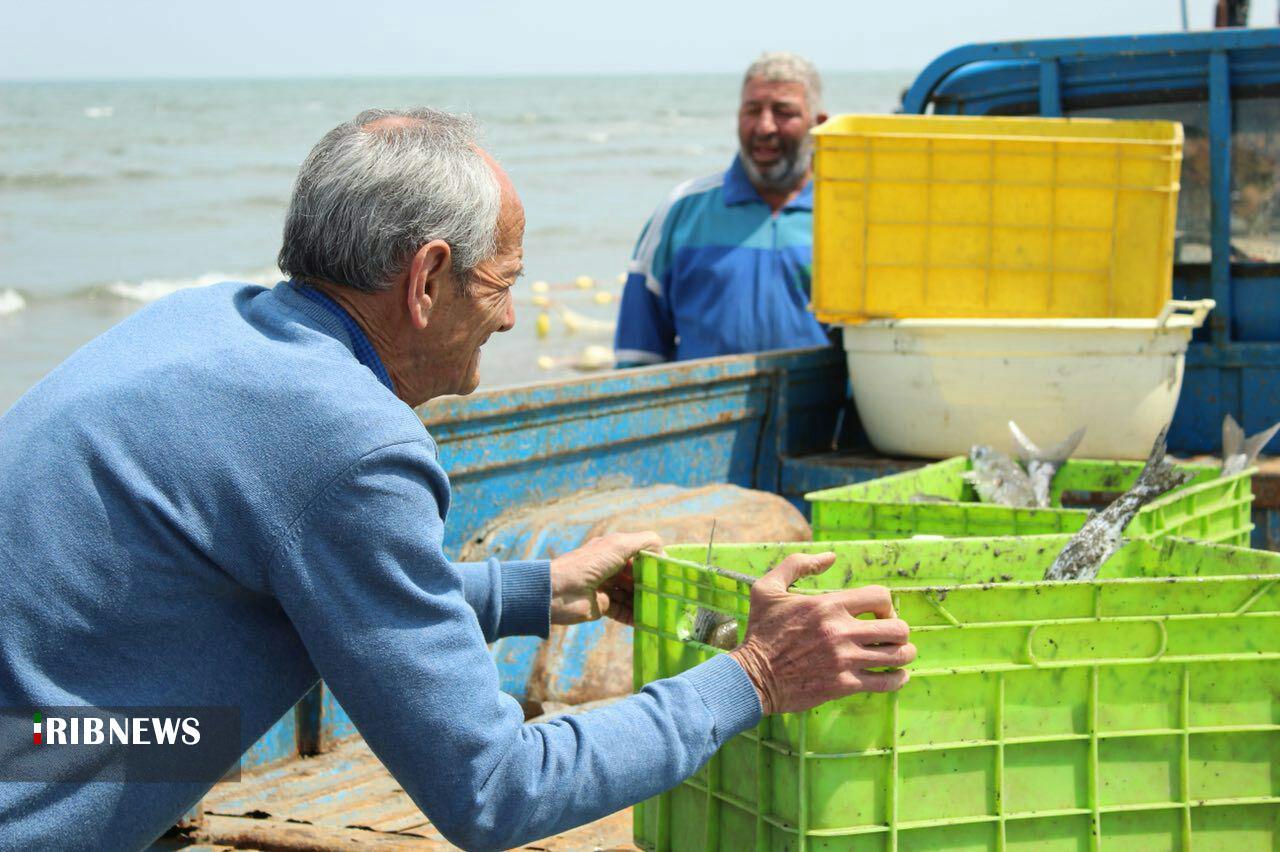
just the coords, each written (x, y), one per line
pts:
(1064, 716)
(1209, 508)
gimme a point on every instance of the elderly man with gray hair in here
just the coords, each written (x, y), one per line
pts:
(230, 495)
(723, 266)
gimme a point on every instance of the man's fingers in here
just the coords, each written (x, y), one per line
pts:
(882, 631)
(617, 609)
(873, 599)
(794, 567)
(888, 656)
(883, 681)
(629, 544)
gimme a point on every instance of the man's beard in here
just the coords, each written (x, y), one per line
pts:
(784, 175)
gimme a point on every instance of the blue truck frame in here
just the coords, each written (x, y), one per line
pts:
(781, 421)
(1234, 366)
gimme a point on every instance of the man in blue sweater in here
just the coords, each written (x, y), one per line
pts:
(229, 495)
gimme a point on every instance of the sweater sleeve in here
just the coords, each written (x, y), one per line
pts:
(385, 617)
(509, 598)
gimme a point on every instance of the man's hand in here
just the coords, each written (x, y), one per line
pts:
(803, 650)
(595, 579)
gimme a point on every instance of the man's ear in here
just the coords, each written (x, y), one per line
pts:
(820, 118)
(429, 271)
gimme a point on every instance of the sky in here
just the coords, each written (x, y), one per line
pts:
(92, 39)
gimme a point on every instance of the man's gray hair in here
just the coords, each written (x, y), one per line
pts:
(377, 188)
(782, 67)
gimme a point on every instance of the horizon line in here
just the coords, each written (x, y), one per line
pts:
(194, 78)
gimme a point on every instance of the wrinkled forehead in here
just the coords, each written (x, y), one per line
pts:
(757, 90)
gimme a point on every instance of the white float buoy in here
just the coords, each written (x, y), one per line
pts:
(595, 358)
(575, 321)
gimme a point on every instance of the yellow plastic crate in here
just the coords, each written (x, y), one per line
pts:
(948, 216)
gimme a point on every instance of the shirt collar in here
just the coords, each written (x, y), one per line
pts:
(360, 345)
(738, 189)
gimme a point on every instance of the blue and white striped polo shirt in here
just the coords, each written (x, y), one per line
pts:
(717, 273)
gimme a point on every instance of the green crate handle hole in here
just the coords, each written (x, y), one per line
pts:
(1068, 636)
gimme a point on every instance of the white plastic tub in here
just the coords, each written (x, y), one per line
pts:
(935, 387)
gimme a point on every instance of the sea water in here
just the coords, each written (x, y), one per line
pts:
(114, 194)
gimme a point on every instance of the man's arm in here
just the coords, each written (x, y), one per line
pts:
(646, 327)
(384, 617)
(385, 620)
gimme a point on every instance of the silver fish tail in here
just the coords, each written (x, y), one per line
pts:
(1042, 465)
(1239, 452)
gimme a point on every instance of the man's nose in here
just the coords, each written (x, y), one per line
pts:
(766, 125)
(509, 318)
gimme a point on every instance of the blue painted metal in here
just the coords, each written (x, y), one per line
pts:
(803, 474)
(571, 668)
(1241, 378)
(1013, 87)
(335, 724)
(278, 743)
(1050, 88)
(307, 714)
(923, 89)
(688, 424)
(1220, 192)
(1255, 299)
(1266, 529)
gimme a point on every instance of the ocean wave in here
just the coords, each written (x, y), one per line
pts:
(11, 302)
(64, 180)
(289, 169)
(150, 289)
(47, 180)
(522, 118)
(99, 111)
(268, 202)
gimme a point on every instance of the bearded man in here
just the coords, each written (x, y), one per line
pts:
(724, 264)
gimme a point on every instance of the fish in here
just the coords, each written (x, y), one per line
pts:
(922, 497)
(999, 479)
(1239, 452)
(1042, 465)
(715, 629)
(1100, 536)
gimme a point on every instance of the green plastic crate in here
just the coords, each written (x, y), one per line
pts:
(1140, 710)
(1209, 508)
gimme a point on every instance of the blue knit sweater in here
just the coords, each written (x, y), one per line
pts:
(215, 503)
